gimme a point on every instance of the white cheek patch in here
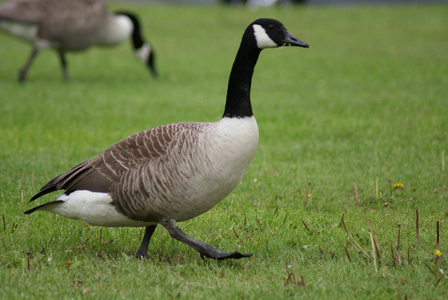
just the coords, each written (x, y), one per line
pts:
(262, 38)
(143, 52)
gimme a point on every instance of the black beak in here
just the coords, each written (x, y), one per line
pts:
(152, 65)
(291, 40)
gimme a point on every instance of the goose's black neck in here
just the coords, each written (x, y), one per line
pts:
(137, 39)
(238, 92)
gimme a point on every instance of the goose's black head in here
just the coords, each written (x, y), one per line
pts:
(271, 33)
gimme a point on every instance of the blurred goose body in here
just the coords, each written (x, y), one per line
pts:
(71, 25)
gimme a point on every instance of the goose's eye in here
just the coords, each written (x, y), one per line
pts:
(271, 27)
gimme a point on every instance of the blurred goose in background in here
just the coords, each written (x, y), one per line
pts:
(174, 172)
(71, 25)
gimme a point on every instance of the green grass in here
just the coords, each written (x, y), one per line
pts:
(366, 105)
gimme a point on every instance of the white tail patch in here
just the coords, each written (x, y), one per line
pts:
(93, 208)
(262, 38)
(25, 31)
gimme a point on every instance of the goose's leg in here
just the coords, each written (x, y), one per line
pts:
(63, 65)
(24, 70)
(204, 249)
(143, 250)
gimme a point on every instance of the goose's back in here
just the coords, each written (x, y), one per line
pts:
(68, 24)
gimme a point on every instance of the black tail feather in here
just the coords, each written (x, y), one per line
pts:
(43, 192)
(40, 206)
(48, 188)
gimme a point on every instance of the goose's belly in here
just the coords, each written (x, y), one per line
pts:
(97, 209)
(206, 194)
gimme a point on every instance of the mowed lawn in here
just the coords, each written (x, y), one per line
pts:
(353, 144)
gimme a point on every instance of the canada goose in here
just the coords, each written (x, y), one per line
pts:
(175, 172)
(71, 25)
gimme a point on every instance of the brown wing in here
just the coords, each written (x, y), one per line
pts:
(99, 173)
(71, 19)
